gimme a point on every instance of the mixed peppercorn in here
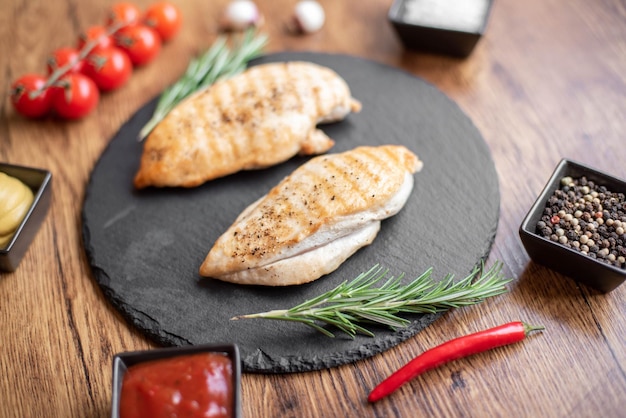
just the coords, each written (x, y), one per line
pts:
(587, 218)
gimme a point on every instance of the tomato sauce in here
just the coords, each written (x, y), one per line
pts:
(194, 385)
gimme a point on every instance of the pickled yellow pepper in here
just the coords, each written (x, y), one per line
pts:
(15, 200)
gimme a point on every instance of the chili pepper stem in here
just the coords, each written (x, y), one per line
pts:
(530, 328)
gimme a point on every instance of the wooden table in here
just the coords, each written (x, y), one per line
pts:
(547, 81)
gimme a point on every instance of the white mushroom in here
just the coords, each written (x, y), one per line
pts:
(240, 15)
(309, 16)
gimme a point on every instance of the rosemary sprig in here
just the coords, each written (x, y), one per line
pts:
(217, 62)
(354, 303)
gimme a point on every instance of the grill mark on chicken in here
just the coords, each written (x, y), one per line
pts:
(259, 118)
(351, 190)
(238, 134)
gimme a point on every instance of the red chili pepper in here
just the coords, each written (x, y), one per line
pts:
(459, 347)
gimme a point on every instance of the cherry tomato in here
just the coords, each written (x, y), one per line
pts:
(109, 68)
(141, 43)
(76, 95)
(23, 100)
(62, 57)
(123, 14)
(165, 18)
(97, 34)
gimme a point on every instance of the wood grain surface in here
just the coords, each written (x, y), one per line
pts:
(547, 81)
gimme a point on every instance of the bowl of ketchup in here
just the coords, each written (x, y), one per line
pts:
(189, 381)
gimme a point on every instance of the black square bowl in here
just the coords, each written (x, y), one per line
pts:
(570, 262)
(122, 361)
(451, 27)
(39, 181)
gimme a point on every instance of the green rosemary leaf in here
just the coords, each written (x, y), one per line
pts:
(374, 298)
(218, 62)
(384, 318)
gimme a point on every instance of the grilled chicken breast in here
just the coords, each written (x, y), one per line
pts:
(315, 218)
(259, 118)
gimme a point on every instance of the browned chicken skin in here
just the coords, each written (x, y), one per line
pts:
(315, 218)
(259, 118)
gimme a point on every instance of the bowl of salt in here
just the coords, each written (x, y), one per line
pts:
(451, 27)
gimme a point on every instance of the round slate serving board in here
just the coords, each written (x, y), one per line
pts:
(145, 247)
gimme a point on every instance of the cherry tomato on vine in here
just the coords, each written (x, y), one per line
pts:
(75, 96)
(165, 18)
(109, 68)
(141, 43)
(22, 96)
(62, 57)
(123, 14)
(96, 34)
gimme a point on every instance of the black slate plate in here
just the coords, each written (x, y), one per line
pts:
(145, 247)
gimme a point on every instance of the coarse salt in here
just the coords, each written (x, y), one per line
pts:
(461, 15)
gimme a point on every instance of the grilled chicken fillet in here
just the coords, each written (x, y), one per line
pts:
(256, 119)
(315, 218)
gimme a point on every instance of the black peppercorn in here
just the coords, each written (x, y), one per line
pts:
(587, 218)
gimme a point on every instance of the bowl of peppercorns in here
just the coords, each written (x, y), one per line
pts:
(577, 226)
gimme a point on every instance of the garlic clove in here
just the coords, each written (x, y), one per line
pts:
(309, 16)
(240, 15)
